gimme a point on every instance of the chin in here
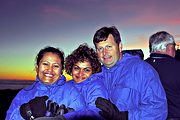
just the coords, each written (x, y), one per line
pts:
(48, 82)
(79, 81)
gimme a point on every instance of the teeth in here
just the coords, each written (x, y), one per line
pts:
(106, 56)
(48, 75)
(80, 78)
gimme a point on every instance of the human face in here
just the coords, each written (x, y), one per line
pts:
(81, 71)
(49, 68)
(109, 52)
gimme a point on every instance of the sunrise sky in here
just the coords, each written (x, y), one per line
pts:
(26, 26)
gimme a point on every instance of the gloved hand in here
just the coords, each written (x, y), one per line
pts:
(53, 109)
(34, 108)
(109, 111)
(26, 112)
(69, 109)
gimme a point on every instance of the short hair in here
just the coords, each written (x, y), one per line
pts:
(81, 54)
(159, 41)
(53, 50)
(103, 33)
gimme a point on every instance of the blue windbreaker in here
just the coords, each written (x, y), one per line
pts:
(90, 89)
(59, 92)
(134, 86)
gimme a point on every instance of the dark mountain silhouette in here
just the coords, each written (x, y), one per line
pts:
(8, 90)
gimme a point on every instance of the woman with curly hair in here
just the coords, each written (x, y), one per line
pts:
(81, 64)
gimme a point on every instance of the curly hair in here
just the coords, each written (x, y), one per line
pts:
(81, 54)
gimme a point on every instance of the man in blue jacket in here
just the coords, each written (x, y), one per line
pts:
(132, 84)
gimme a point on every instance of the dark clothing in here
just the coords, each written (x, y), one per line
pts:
(169, 72)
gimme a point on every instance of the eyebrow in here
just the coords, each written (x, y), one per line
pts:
(52, 63)
(80, 67)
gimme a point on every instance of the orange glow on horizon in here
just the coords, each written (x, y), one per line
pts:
(18, 76)
(13, 76)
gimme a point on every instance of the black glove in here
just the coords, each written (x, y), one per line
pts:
(62, 110)
(109, 111)
(69, 109)
(34, 108)
(26, 112)
(53, 109)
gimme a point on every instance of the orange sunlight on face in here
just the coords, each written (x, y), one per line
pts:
(49, 68)
(81, 71)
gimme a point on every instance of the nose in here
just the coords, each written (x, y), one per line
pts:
(81, 73)
(104, 51)
(50, 68)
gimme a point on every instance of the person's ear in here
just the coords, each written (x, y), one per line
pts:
(71, 73)
(120, 46)
(37, 68)
(168, 49)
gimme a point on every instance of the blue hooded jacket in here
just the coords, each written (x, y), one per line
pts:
(59, 92)
(90, 89)
(134, 86)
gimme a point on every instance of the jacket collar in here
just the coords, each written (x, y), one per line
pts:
(160, 56)
(125, 57)
(61, 81)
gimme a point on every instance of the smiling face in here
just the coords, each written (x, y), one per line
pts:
(49, 68)
(109, 51)
(81, 71)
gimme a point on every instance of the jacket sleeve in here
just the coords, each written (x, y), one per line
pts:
(90, 92)
(93, 90)
(140, 92)
(13, 111)
(153, 103)
(76, 100)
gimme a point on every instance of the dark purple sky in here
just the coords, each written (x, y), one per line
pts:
(26, 26)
